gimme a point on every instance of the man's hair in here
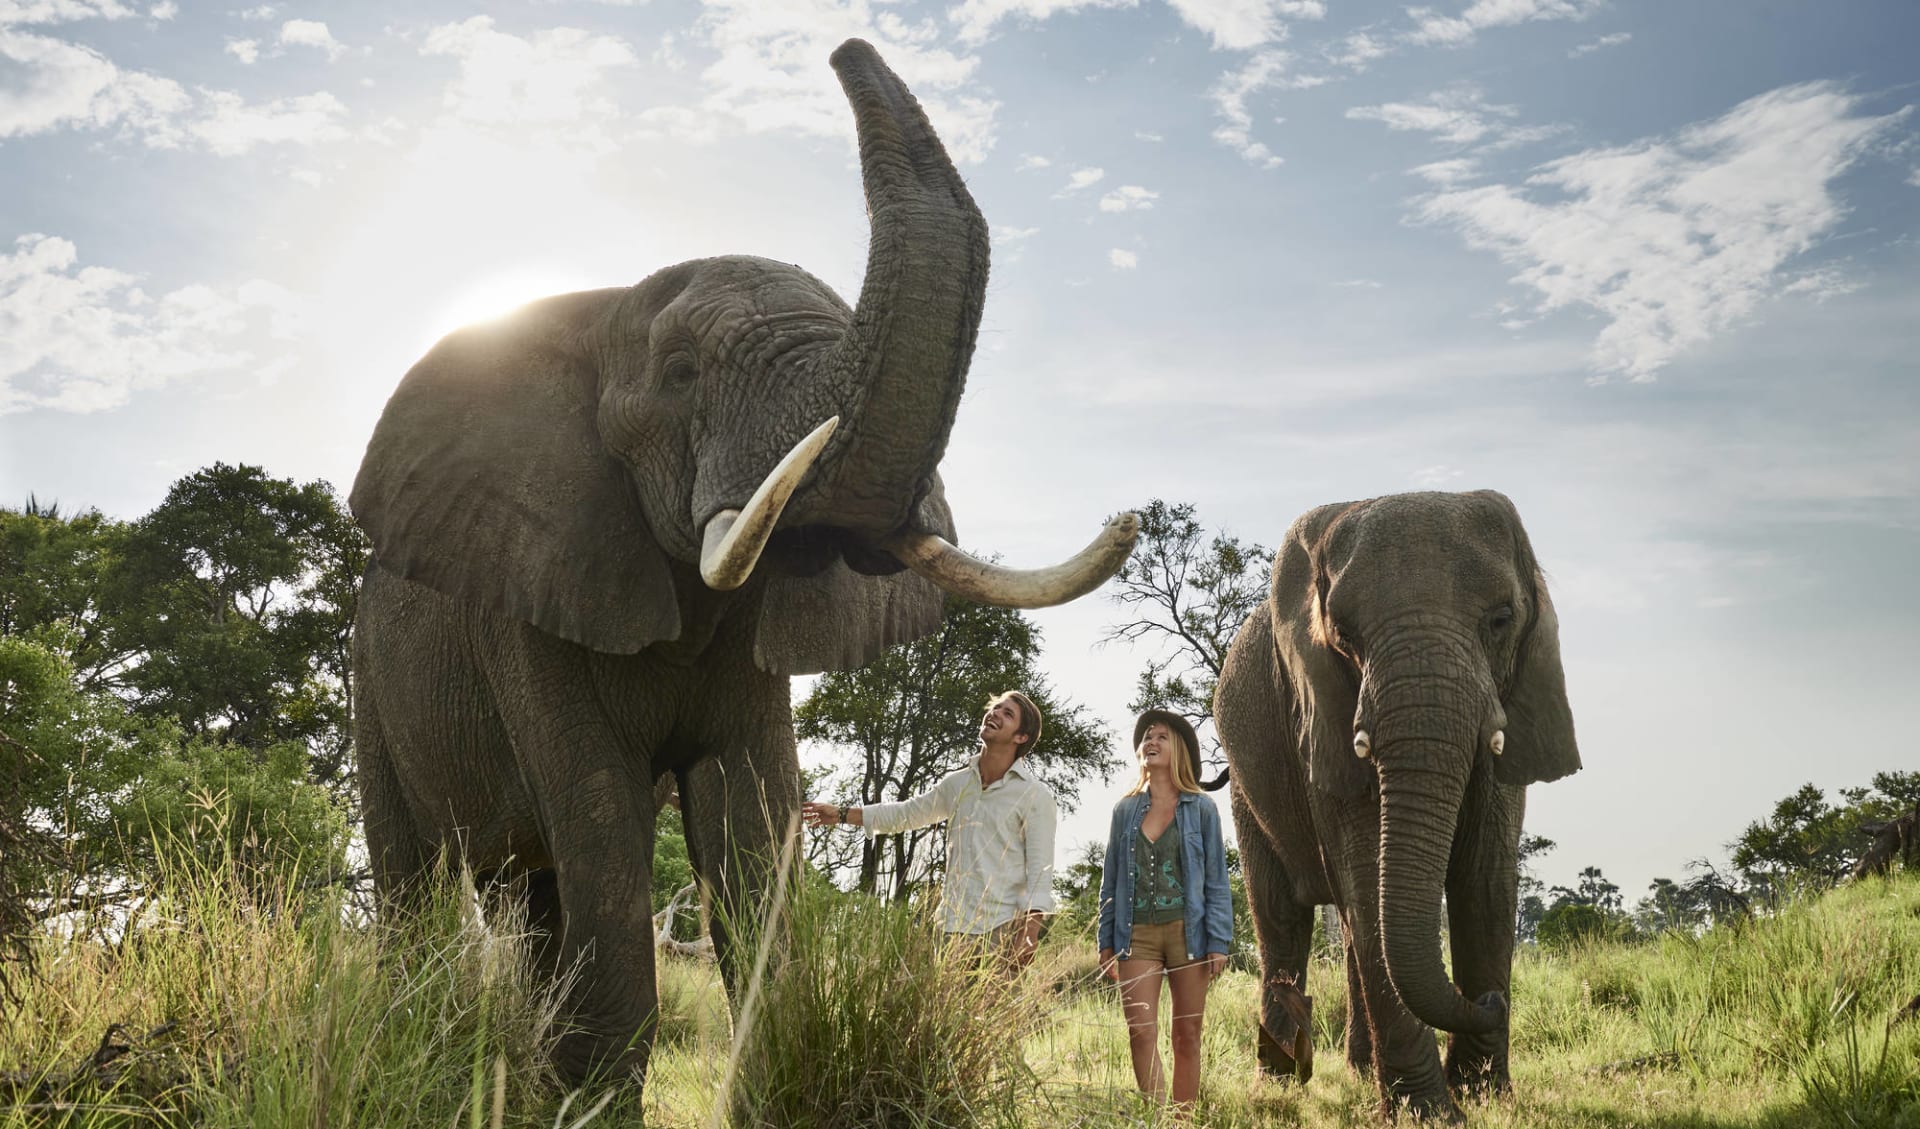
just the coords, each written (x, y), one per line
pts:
(1029, 718)
(1183, 778)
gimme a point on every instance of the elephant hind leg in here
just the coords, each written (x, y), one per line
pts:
(1284, 930)
(395, 848)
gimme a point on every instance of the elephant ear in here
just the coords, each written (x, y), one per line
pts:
(840, 619)
(1325, 686)
(1540, 745)
(486, 480)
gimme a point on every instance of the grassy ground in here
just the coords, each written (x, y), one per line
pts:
(228, 1012)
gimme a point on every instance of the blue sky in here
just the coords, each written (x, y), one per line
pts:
(1650, 268)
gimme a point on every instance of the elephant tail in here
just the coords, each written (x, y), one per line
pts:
(1217, 782)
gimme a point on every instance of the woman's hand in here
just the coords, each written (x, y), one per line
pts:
(1216, 964)
(1109, 967)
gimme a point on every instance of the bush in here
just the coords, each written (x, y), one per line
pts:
(870, 1017)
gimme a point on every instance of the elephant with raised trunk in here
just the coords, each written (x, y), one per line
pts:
(608, 528)
(1383, 711)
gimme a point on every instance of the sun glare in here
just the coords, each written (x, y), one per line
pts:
(493, 296)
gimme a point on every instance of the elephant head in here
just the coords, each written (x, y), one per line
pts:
(1421, 647)
(597, 462)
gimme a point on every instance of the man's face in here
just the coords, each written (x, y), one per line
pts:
(1001, 721)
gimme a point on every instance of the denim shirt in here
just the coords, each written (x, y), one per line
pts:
(1209, 921)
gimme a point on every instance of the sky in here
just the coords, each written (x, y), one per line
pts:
(1649, 267)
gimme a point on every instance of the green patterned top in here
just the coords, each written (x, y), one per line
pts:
(1159, 889)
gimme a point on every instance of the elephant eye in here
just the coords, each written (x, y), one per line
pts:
(1500, 619)
(1346, 640)
(678, 370)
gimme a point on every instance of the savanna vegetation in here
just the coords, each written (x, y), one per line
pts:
(185, 937)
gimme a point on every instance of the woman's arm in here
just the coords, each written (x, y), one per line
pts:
(1219, 893)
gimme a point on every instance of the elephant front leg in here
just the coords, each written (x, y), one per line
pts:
(592, 912)
(1482, 905)
(736, 808)
(1406, 1059)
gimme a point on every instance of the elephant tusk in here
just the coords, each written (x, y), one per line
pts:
(733, 540)
(1362, 744)
(956, 571)
(1499, 742)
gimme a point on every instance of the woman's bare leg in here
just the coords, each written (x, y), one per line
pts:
(1140, 1000)
(1189, 985)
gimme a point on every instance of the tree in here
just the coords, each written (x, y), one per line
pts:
(1808, 841)
(1188, 594)
(912, 715)
(233, 604)
(1532, 891)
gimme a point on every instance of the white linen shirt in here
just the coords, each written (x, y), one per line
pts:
(999, 843)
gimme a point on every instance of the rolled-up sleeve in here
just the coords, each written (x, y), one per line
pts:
(930, 806)
(1042, 817)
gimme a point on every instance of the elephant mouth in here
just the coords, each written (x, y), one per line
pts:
(734, 540)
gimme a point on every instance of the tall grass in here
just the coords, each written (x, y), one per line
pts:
(234, 1006)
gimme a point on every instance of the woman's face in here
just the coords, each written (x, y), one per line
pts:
(1158, 746)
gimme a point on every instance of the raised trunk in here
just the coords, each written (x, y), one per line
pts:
(1421, 785)
(903, 362)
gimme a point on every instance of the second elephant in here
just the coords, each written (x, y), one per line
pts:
(1383, 711)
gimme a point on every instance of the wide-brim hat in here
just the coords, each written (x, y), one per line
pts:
(1181, 728)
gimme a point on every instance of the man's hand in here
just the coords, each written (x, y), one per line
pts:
(1216, 964)
(1109, 967)
(815, 814)
(1027, 942)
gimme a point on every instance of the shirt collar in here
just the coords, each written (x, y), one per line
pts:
(1014, 769)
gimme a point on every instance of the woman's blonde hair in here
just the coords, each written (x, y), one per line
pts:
(1183, 778)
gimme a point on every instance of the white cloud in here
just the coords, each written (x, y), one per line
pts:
(1435, 477)
(1146, 135)
(1241, 25)
(1450, 173)
(1674, 240)
(1913, 178)
(1029, 161)
(1356, 52)
(555, 77)
(1454, 31)
(1122, 260)
(20, 13)
(1360, 284)
(772, 73)
(1459, 115)
(311, 33)
(976, 18)
(1081, 178)
(1005, 236)
(1230, 94)
(67, 85)
(84, 339)
(165, 10)
(1128, 198)
(231, 126)
(245, 50)
(1600, 44)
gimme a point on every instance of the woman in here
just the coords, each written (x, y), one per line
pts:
(1165, 909)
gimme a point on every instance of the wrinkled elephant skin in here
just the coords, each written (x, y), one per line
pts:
(607, 529)
(1383, 711)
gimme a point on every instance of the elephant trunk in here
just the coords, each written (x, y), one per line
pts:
(1425, 751)
(900, 367)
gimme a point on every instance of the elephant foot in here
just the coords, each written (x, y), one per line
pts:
(1285, 1058)
(1477, 1075)
(1428, 1109)
(583, 1058)
(1291, 1056)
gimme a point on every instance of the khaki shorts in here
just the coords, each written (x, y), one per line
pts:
(1165, 944)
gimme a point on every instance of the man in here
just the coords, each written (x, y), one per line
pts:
(1000, 826)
